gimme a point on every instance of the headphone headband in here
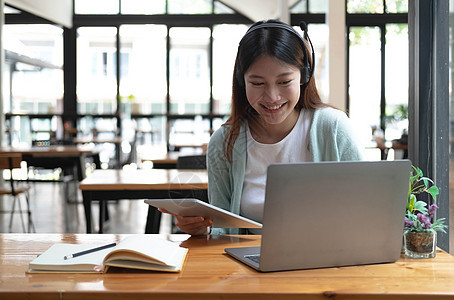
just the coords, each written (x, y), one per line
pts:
(306, 70)
(273, 25)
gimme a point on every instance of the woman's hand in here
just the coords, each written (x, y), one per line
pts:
(191, 225)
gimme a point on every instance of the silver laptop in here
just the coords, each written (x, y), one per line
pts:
(330, 214)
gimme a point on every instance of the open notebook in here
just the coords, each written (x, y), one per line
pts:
(142, 251)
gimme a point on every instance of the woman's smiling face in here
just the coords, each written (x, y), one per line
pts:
(273, 90)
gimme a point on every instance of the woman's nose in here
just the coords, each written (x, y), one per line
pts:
(273, 93)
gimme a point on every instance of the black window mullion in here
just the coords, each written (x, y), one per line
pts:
(383, 77)
(210, 54)
(347, 71)
(167, 113)
(118, 72)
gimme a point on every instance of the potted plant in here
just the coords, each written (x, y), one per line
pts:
(420, 234)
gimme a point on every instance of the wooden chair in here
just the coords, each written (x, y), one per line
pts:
(10, 162)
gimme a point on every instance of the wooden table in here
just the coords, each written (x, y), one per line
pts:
(388, 145)
(98, 140)
(50, 157)
(211, 274)
(104, 185)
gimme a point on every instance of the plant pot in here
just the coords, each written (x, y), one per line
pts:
(420, 244)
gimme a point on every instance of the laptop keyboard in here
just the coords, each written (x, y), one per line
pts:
(254, 257)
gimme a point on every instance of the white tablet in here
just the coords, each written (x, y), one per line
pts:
(189, 207)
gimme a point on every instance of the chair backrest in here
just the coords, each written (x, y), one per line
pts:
(10, 161)
(192, 162)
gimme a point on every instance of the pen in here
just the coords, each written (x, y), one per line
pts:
(90, 251)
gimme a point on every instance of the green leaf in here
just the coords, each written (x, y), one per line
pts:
(427, 179)
(411, 203)
(433, 191)
(420, 206)
(413, 178)
(419, 172)
(439, 225)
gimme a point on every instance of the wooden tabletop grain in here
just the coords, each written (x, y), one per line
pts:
(211, 274)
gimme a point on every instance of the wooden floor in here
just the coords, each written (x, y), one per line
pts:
(52, 214)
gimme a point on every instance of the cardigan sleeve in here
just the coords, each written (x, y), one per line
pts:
(225, 179)
(219, 183)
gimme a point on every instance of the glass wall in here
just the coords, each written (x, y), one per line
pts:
(32, 80)
(104, 7)
(145, 7)
(189, 70)
(396, 66)
(143, 85)
(172, 68)
(189, 7)
(319, 35)
(364, 76)
(34, 56)
(378, 74)
(96, 70)
(225, 45)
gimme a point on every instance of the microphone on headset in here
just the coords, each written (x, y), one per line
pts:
(303, 27)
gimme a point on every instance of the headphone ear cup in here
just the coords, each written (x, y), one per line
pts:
(238, 74)
(239, 77)
(305, 75)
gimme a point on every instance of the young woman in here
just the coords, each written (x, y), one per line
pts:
(276, 116)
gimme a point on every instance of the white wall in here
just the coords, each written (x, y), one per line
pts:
(337, 53)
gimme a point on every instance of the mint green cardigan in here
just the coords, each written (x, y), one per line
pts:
(331, 139)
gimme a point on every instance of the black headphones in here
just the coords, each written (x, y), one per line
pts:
(306, 70)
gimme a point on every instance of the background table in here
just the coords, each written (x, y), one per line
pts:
(211, 274)
(104, 185)
(62, 156)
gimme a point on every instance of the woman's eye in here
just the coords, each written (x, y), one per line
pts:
(285, 82)
(257, 83)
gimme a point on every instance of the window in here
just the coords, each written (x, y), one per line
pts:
(189, 7)
(365, 6)
(378, 70)
(104, 7)
(225, 45)
(318, 33)
(34, 58)
(189, 70)
(143, 85)
(364, 75)
(32, 79)
(396, 76)
(145, 7)
(309, 6)
(96, 70)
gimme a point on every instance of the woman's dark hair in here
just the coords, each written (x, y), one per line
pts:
(278, 43)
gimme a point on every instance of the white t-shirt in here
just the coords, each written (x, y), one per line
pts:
(292, 148)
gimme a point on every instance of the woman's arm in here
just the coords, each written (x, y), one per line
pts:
(219, 183)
